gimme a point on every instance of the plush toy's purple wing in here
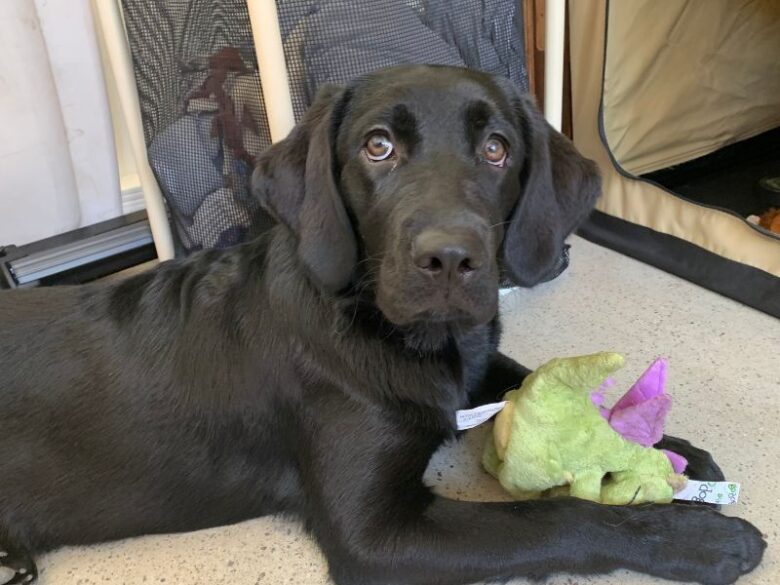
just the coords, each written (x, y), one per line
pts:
(642, 423)
(649, 385)
(640, 415)
(679, 463)
(598, 396)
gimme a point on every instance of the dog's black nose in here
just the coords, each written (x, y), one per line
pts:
(447, 256)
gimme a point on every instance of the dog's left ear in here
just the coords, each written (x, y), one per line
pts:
(559, 188)
(295, 182)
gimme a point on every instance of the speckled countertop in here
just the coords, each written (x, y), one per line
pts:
(724, 376)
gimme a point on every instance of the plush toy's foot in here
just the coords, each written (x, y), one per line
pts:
(587, 485)
(16, 567)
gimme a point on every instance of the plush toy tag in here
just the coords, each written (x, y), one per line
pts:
(468, 419)
(711, 492)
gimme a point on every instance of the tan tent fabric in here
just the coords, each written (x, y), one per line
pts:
(637, 201)
(687, 77)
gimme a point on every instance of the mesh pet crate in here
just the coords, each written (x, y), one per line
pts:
(201, 94)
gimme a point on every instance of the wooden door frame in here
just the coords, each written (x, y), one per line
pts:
(533, 22)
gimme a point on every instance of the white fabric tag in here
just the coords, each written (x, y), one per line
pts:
(468, 419)
(712, 492)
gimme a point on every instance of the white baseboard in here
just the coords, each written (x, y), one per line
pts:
(132, 195)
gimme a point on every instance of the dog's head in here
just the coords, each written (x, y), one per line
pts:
(427, 185)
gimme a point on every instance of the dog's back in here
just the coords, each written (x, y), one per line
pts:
(116, 396)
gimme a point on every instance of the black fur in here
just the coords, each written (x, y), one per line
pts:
(314, 370)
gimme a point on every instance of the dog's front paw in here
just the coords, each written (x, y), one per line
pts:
(16, 568)
(698, 544)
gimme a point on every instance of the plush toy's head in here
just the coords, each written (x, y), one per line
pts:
(551, 439)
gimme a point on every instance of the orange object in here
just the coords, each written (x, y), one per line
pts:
(771, 220)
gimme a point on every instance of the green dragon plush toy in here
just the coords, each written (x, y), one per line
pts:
(552, 438)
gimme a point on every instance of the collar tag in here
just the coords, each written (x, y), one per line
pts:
(711, 492)
(468, 419)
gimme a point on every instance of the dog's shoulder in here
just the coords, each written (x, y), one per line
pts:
(206, 281)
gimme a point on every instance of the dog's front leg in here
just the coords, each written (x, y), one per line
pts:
(16, 566)
(378, 524)
(701, 465)
(503, 374)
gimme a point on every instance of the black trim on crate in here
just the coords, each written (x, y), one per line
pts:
(748, 285)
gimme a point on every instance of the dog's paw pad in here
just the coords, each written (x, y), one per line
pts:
(9, 577)
(16, 568)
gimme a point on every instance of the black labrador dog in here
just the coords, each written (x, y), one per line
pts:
(315, 370)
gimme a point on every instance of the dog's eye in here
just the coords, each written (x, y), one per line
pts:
(494, 151)
(378, 147)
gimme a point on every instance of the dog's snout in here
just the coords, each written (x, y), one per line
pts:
(448, 256)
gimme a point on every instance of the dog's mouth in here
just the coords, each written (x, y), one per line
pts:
(430, 336)
(460, 312)
(454, 316)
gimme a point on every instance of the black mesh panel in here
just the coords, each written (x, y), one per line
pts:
(201, 96)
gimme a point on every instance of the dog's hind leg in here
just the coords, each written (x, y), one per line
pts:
(16, 566)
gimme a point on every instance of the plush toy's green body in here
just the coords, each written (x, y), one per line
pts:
(550, 439)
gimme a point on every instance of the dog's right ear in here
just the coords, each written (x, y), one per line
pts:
(295, 182)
